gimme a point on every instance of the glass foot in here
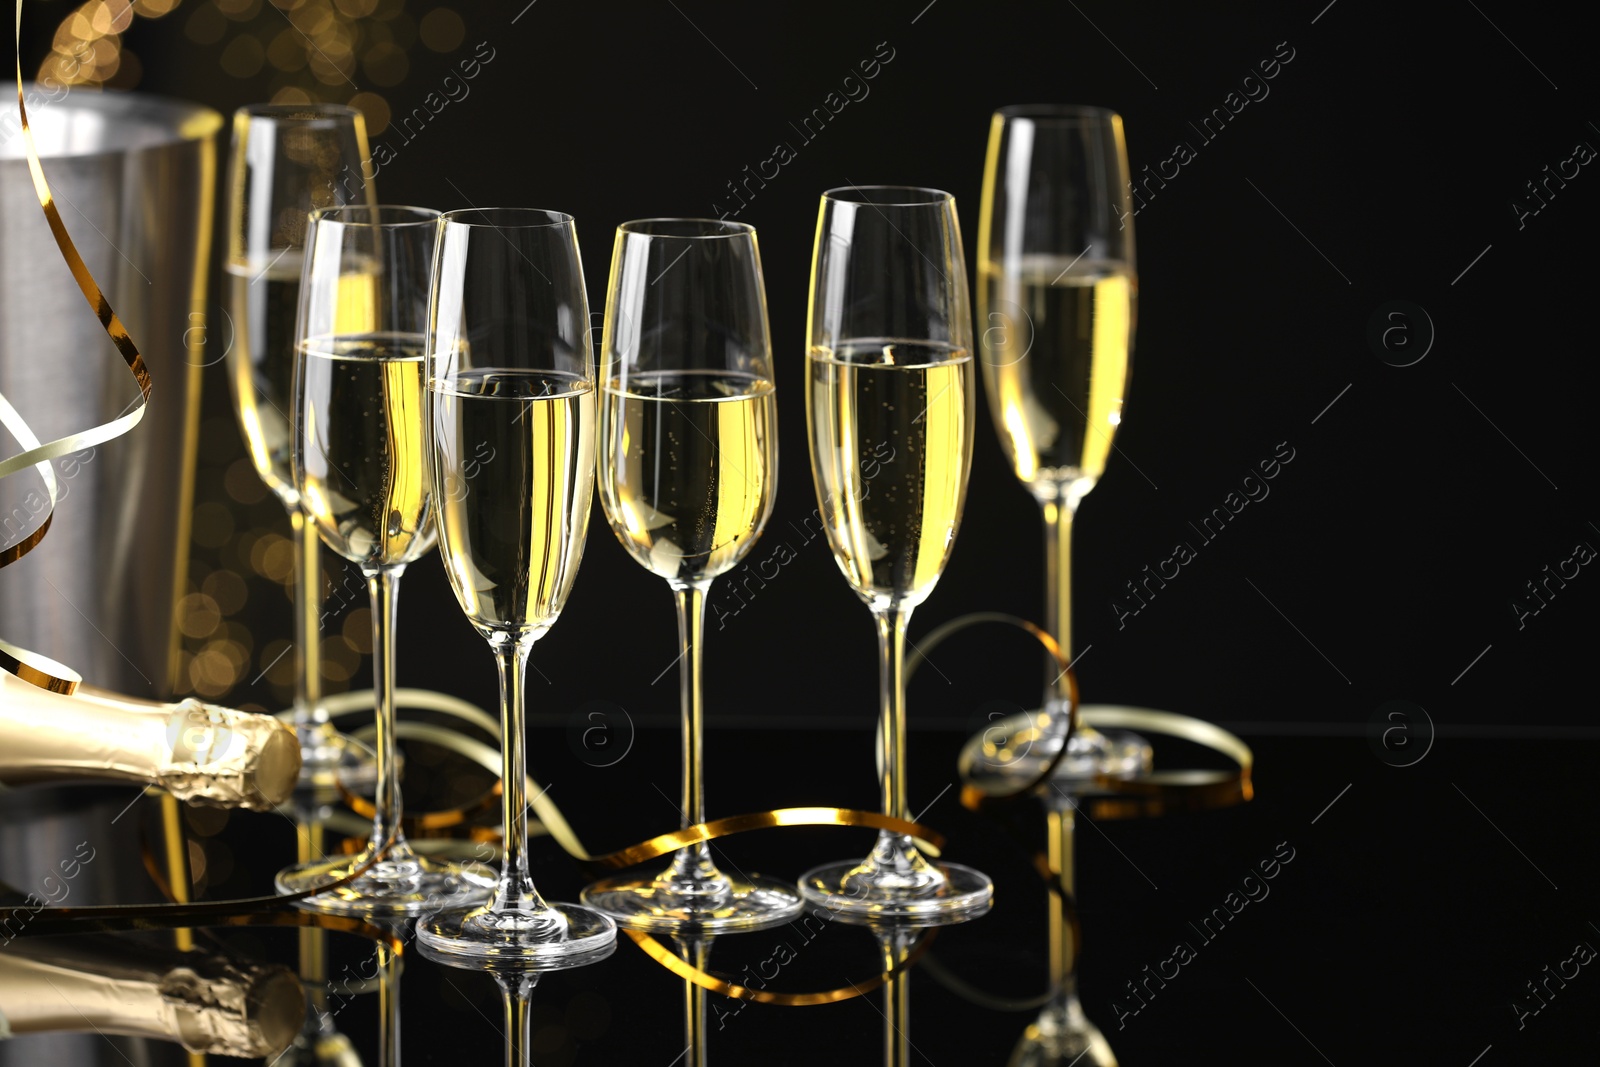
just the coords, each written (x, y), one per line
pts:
(1116, 753)
(1062, 1037)
(1022, 746)
(561, 935)
(405, 885)
(329, 758)
(725, 903)
(941, 893)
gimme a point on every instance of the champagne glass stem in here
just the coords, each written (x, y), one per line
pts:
(692, 863)
(383, 585)
(515, 891)
(1058, 515)
(892, 623)
(308, 709)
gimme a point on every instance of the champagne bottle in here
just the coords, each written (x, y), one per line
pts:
(198, 752)
(207, 1003)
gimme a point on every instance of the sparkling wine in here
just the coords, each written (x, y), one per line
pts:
(513, 471)
(891, 445)
(1056, 340)
(362, 467)
(688, 468)
(262, 301)
(197, 752)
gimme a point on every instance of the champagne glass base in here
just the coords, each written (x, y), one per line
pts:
(409, 886)
(961, 894)
(1112, 753)
(329, 759)
(746, 904)
(1022, 746)
(561, 935)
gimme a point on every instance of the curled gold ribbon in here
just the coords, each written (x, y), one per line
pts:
(928, 841)
(1103, 796)
(38, 455)
(429, 822)
(971, 793)
(553, 822)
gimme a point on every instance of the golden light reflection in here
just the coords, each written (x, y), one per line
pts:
(297, 52)
(322, 51)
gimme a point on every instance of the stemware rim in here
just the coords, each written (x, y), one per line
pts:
(383, 213)
(655, 227)
(311, 111)
(913, 195)
(550, 217)
(1063, 113)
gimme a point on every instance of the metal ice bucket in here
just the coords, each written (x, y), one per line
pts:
(134, 179)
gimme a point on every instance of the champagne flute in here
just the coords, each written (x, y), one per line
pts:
(287, 161)
(891, 387)
(361, 470)
(688, 470)
(1057, 298)
(511, 455)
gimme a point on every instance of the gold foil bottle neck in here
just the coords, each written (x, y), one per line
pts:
(229, 758)
(199, 752)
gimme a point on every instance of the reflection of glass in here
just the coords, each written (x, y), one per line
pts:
(208, 1003)
(516, 976)
(696, 952)
(1057, 298)
(890, 391)
(1062, 1036)
(688, 470)
(319, 1043)
(287, 161)
(896, 943)
(511, 464)
(361, 470)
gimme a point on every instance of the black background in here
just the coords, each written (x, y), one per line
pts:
(1382, 566)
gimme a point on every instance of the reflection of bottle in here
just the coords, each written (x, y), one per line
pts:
(108, 985)
(197, 752)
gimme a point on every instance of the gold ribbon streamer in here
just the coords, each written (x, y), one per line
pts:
(429, 822)
(554, 822)
(928, 841)
(990, 789)
(38, 455)
(1102, 796)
